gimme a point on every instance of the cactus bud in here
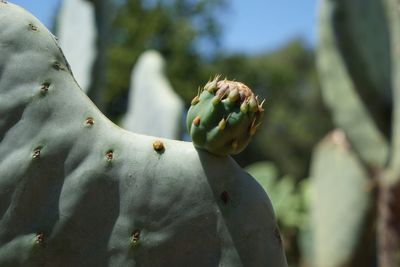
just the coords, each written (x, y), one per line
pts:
(216, 134)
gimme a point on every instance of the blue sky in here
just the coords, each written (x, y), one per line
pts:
(257, 25)
(250, 26)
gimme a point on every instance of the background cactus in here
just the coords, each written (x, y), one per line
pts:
(339, 201)
(75, 190)
(358, 57)
(154, 108)
(223, 117)
(78, 46)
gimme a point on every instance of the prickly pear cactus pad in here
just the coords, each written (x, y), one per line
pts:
(223, 117)
(76, 190)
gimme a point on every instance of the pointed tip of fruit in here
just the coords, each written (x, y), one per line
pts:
(216, 100)
(244, 107)
(253, 104)
(195, 100)
(233, 95)
(212, 85)
(222, 124)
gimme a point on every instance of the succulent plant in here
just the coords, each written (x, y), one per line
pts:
(223, 117)
(80, 14)
(359, 68)
(76, 190)
(337, 171)
(153, 107)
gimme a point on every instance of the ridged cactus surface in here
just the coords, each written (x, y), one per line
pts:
(76, 190)
(223, 117)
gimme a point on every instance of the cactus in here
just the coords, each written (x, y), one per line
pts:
(350, 113)
(154, 108)
(76, 190)
(360, 74)
(78, 46)
(223, 117)
(340, 196)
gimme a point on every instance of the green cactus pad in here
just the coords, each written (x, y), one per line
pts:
(340, 95)
(339, 201)
(223, 117)
(76, 190)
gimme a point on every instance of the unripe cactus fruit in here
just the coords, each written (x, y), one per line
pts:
(223, 117)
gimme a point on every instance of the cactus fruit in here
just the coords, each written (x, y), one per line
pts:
(76, 190)
(223, 117)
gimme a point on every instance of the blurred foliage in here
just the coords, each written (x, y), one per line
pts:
(174, 28)
(295, 118)
(290, 202)
(286, 198)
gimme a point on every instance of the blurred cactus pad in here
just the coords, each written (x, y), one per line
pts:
(153, 108)
(359, 67)
(76, 190)
(340, 195)
(73, 15)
